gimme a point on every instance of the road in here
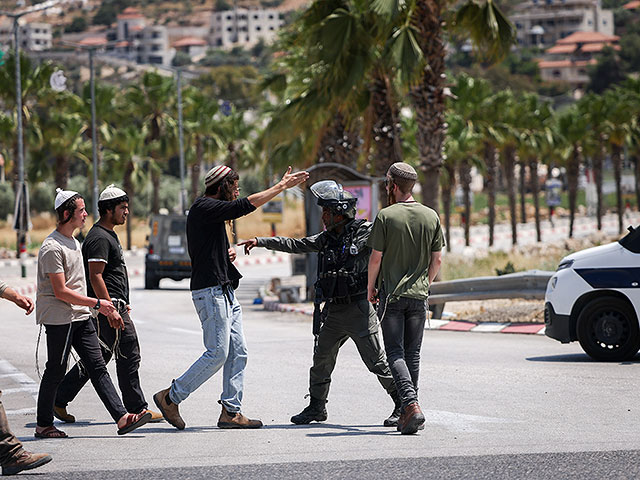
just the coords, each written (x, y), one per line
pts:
(497, 406)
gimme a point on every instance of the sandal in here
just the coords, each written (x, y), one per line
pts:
(134, 421)
(50, 432)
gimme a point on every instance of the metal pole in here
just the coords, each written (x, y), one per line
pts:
(183, 196)
(22, 228)
(94, 139)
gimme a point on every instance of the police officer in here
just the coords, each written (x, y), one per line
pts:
(343, 257)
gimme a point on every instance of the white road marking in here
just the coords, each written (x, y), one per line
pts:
(461, 422)
(27, 384)
(184, 330)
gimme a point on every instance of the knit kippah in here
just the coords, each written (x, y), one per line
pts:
(62, 196)
(403, 170)
(215, 175)
(111, 192)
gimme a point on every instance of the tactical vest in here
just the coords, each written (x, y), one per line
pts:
(343, 262)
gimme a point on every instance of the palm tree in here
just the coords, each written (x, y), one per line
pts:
(418, 43)
(571, 127)
(153, 98)
(126, 157)
(594, 108)
(536, 142)
(35, 87)
(200, 127)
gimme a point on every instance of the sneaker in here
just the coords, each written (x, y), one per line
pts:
(25, 461)
(236, 420)
(169, 409)
(61, 414)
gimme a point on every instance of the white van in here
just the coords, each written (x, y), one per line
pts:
(594, 297)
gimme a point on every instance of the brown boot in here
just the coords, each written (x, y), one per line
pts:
(61, 414)
(236, 420)
(25, 461)
(169, 409)
(413, 419)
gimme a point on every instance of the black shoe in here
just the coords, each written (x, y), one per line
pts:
(316, 411)
(392, 421)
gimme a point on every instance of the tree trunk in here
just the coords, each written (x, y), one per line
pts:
(447, 188)
(616, 159)
(490, 186)
(573, 168)
(61, 172)
(535, 192)
(385, 129)
(338, 144)
(509, 172)
(428, 98)
(636, 171)
(127, 183)
(196, 168)
(465, 181)
(597, 178)
(523, 193)
(155, 185)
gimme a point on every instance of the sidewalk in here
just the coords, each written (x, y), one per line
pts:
(273, 305)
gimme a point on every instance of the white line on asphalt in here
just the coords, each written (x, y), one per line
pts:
(24, 380)
(184, 330)
(22, 411)
(31, 389)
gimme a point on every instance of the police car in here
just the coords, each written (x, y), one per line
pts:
(594, 297)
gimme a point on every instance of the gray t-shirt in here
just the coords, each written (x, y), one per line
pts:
(60, 254)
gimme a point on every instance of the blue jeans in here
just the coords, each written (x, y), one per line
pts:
(402, 329)
(221, 319)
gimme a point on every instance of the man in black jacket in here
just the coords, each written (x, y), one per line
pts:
(343, 256)
(213, 280)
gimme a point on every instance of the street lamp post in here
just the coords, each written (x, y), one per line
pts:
(21, 200)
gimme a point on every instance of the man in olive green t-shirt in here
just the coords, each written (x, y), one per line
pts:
(406, 243)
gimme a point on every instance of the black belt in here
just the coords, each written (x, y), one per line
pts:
(349, 299)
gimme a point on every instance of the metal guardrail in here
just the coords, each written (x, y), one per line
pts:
(531, 284)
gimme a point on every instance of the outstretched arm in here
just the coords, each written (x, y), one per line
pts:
(21, 301)
(284, 244)
(288, 180)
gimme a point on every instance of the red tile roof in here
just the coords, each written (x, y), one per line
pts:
(631, 5)
(93, 41)
(189, 42)
(565, 63)
(130, 13)
(558, 49)
(588, 37)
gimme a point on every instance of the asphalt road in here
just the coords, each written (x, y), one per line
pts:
(497, 406)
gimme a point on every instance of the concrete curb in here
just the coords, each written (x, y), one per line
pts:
(450, 325)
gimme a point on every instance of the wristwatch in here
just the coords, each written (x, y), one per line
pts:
(97, 307)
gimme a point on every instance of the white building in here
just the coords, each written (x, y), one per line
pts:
(140, 42)
(544, 22)
(242, 27)
(34, 37)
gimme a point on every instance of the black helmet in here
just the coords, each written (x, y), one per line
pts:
(331, 195)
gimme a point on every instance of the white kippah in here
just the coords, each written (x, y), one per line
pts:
(111, 192)
(62, 196)
(215, 175)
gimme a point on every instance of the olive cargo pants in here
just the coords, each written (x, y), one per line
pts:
(359, 322)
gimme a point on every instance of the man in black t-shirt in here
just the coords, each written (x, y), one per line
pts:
(107, 274)
(213, 279)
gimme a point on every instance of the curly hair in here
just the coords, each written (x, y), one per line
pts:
(105, 205)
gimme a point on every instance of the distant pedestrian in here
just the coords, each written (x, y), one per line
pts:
(13, 457)
(406, 243)
(63, 308)
(213, 280)
(106, 271)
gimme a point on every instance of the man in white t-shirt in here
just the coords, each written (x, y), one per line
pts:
(63, 308)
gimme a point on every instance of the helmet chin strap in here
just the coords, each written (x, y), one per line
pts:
(334, 225)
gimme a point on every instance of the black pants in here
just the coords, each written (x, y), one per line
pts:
(402, 330)
(124, 344)
(82, 337)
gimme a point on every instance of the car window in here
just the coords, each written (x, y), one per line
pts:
(177, 227)
(631, 241)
